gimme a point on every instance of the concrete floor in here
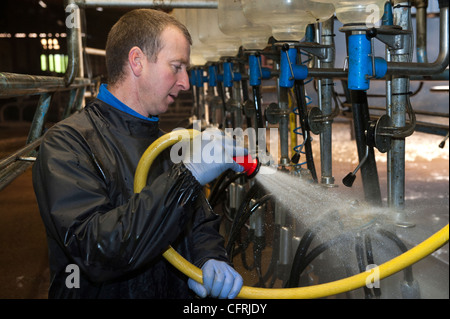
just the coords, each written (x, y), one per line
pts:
(23, 251)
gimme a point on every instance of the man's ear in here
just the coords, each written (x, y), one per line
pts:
(136, 59)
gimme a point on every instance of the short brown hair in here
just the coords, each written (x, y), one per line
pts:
(141, 28)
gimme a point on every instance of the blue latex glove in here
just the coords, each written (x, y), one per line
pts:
(212, 154)
(219, 281)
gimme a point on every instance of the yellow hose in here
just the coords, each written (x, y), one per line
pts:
(387, 269)
(293, 125)
(163, 142)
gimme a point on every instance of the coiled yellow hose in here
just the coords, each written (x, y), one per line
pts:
(387, 269)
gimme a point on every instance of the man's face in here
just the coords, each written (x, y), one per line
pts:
(164, 78)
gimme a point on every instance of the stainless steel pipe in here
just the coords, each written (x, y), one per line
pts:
(438, 66)
(13, 84)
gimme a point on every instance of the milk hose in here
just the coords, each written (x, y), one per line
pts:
(387, 269)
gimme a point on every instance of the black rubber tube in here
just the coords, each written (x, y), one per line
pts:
(369, 173)
(302, 116)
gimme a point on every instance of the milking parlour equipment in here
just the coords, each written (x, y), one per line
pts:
(255, 224)
(249, 206)
(270, 66)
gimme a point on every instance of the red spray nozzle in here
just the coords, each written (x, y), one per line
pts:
(251, 165)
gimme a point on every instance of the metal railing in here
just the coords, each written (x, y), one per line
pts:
(14, 85)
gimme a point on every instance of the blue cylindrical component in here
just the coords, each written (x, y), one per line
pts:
(212, 80)
(266, 74)
(227, 74)
(380, 68)
(285, 79)
(388, 17)
(192, 77)
(359, 62)
(309, 35)
(289, 70)
(254, 74)
(199, 78)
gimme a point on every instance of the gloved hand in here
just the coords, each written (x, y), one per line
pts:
(212, 154)
(219, 280)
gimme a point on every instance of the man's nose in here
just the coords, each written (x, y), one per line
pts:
(183, 80)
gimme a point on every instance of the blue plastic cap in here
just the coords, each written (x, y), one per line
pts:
(300, 71)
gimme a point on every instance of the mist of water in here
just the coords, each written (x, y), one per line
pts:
(310, 202)
(334, 215)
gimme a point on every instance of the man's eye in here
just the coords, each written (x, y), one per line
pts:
(177, 67)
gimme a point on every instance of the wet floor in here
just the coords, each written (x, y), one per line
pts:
(23, 251)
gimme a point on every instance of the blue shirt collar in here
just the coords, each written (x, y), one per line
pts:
(110, 99)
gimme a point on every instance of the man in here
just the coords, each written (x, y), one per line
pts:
(83, 180)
